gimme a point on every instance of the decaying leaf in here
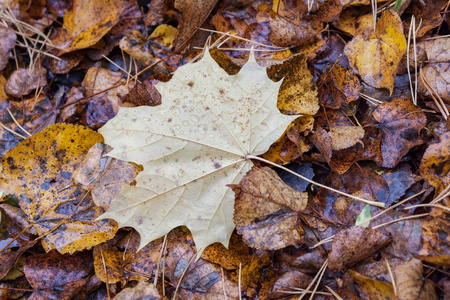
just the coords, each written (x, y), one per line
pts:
(343, 137)
(191, 146)
(134, 44)
(288, 283)
(436, 241)
(143, 290)
(23, 81)
(297, 92)
(266, 210)
(338, 87)
(400, 123)
(435, 164)
(56, 276)
(369, 288)
(411, 284)
(353, 245)
(377, 58)
(89, 21)
(38, 171)
(8, 38)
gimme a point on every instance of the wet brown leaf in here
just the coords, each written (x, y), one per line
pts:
(143, 290)
(145, 93)
(429, 11)
(288, 33)
(369, 288)
(156, 12)
(353, 245)
(103, 176)
(343, 137)
(194, 13)
(266, 210)
(437, 69)
(411, 284)
(288, 283)
(436, 241)
(377, 58)
(56, 276)
(24, 81)
(400, 124)
(338, 87)
(66, 63)
(8, 38)
(435, 164)
(135, 44)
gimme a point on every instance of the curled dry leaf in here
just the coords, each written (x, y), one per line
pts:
(23, 81)
(266, 210)
(400, 124)
(297, 93)
(429, 12)
(338, 87)
(8, 38)
(191, 146)
(435, 164)
(56, 276)
(377, 58)
(437, 69)
(411, 284)
(353, 245)
(38, 171)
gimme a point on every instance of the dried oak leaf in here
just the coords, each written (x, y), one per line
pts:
(411, 284)
(266, 210)
(435, 164)
(194, 13)
(437, 69)
(400, 123)
(191, 146)
(38, 171)
(23, 81)
(377, 58)
(297, 93)
(89, 21)
(353, 245)
(56, 276)
(338, 87)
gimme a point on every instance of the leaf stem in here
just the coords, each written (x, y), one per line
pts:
(374, 203)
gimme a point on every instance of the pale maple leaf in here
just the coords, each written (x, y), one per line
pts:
(191, 147)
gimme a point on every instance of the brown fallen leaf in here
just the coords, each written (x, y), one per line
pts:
(194, 13)
(400, 123)
(436, 69)
(289, 283)
(338, 87)
(368, 288)
(56, 276)
(377, 58)
(343, 137)
(135, 44)
(8, 38)
(411, 284)
(66, 62)
(435, 164)
(435, 241)
(353, 245)
(145, 93)
(103, 176)
(266, 210)
(23, 81)
(143, 290)
(38, 171)
(156, 12)
(429, 12)
(297, 94)
(9, 229)
(102, 106)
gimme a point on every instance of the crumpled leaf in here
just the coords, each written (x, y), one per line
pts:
(400, 123)
(353, 245)
(191, 146)
(56, 276)
(436, 70)
(266, 210)
(194, 13)
(411, 284)
(8, 38)
(38, 171)
(377, 58)
(338, 87)
(22, 81)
